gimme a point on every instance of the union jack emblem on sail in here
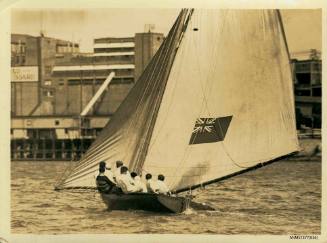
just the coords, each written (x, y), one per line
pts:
(210, 130)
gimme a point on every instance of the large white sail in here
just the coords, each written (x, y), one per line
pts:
(231, 88)
(216, 99)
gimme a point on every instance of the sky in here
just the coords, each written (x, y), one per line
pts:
(302, 27)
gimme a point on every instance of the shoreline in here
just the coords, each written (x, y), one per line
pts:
(310, 151)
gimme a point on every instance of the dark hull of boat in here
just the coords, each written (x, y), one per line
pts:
(146, 202)
(151, 202)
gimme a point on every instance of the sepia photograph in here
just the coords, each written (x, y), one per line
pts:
(204, 121)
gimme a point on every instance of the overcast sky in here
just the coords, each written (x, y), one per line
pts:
(302, 27)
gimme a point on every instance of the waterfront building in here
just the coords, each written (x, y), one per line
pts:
(307, 88)
(46, 110)
(32, 60)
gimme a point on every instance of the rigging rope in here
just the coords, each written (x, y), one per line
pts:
(60, 179)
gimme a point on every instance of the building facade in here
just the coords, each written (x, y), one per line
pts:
(65, 81)
(307, 88)
(32, 61)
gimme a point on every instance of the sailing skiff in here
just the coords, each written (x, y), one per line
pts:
(151, 202)
(215, 101)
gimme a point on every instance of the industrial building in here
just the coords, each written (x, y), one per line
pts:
(32, 61)
(307, 88)
(52, 83)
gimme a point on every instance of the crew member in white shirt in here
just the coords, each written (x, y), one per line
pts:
(138, 183)
(162, 188)
(151, 185)
(125, 181)
(116, 171)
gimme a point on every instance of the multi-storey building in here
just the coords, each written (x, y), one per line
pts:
(307, 88)
(32, 60)
(53, 128)
(79, 78)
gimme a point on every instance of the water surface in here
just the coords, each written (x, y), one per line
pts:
(282, 198)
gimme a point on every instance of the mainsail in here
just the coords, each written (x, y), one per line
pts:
(216, 99)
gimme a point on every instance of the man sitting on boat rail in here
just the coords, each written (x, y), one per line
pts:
(138, 183)
(108, 172)
(158, 186)
(162, 188)
(104, 185)
(116, 171)
(151, 185)
(125, 181)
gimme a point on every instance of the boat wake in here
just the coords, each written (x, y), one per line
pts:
(189, 211)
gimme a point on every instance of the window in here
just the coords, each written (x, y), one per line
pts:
(57, 122)
(14, 47)
(47, 133)
(48, 93)
(303, 78)
(85, 122)
(315, 78)
(88, 132)
(22, 48)
(18, 48)
(302, 67)
(74, 82)
(61, 82)
(47, 82)
(48, 69)
(316, 91)
(87, 81)
(316, 109)
(302, 92)
(32, 133)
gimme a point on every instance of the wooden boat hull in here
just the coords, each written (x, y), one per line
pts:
(151, 202)
(146, 201)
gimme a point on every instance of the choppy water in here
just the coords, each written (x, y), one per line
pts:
(282, 198)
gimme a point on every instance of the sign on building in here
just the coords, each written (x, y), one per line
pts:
(24, 74)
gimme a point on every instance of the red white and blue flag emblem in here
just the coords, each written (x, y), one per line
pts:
(210, 130)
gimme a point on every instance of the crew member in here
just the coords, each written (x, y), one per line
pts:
(104, 185)
(151, 185)
(125, 181)
(138, 183)
(108, 171)
(162, 188)
(116, 172)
